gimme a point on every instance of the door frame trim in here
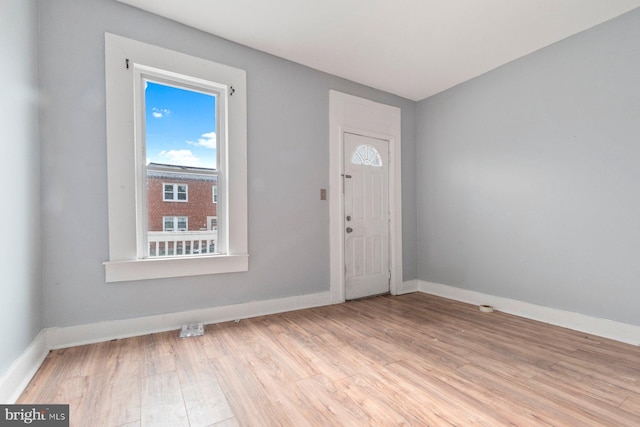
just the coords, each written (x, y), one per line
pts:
(352, 114)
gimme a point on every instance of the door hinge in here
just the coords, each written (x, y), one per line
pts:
(126, 63)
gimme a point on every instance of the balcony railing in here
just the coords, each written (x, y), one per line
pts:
(181, 243)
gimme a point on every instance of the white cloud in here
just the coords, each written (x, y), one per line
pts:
(207, 140)
(180, 157)
(159, 112)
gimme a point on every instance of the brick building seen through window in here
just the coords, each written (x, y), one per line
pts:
(181, 199)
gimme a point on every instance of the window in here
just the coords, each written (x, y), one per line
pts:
(175, 223)
(212, 223)
(366, 155)
(138, 75)
(175, 193)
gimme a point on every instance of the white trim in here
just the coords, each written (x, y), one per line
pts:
(209, 226)
(14, 381)
(606, 328)
(409, 286)
(104, 331)
(125, 61)
(157, 268)
(348, 113)
(17, 377)
(176, 221)
(174, 191)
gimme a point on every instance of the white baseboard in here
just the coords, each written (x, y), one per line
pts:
(14, 381)
(17, 377)
(408, 287)
(611, 329)
(104, 331)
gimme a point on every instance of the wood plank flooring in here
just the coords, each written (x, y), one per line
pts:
(387, 361)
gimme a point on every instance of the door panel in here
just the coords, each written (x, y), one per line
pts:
(366, 220)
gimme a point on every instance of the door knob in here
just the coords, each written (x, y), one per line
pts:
(349, 229)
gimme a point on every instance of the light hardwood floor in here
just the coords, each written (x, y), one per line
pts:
(409, 360)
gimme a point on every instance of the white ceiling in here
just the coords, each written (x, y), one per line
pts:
(412, 48)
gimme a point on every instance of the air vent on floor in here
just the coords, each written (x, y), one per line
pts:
(192, 330)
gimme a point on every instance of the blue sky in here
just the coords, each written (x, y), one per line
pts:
(180, 126)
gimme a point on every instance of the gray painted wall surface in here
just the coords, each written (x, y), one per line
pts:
(20, 271)
(529, 180)
(288, 160)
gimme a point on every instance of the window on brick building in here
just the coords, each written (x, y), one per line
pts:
(212, 223)
(175, 193)
(175, 223)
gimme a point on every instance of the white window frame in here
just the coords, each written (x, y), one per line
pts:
(209, 227)
(214, 190)
(127, 62)
(176, 221)
(175, 192)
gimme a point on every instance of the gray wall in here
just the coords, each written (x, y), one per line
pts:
(529, 177)
(288, 164)
(526, 177)
(20, 272)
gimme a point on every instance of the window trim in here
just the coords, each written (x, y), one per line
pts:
(176, 221)
(123, 156)
(175, 192)
(209, 218)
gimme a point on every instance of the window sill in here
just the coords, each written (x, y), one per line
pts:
(159, 268)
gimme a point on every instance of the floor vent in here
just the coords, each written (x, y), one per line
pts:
(192, 330)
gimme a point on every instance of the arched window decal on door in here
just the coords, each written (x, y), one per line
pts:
(366, 155)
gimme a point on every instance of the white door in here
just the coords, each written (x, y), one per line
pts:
(366, 216)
